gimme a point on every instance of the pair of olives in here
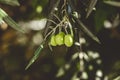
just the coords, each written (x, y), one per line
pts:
(61, 39)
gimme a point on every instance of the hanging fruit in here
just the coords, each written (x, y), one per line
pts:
(52, 41)
(68, 40)
(59, 38)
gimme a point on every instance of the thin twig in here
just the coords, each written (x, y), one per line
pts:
(52, 21)
(56, 17)
(53, 30)
(51, 16)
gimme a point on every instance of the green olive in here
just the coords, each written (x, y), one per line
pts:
(52, 41)
(59, 38)
(68, 40)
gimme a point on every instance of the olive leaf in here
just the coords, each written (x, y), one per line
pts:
(81, 25)
(36, 55)
(13, 24)
(2, 13)
(113, 3)
(90, 7)
(10, 2)
(4, 16)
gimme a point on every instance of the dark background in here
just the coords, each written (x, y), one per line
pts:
(14, 56)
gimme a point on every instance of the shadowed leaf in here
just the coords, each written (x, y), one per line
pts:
(85, 30)
(90, 7)
(36, 55)
(10, 2)
(113, 3)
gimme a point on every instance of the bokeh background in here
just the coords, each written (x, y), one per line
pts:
(101, 61)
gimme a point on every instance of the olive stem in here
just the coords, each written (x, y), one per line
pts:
(53, 30)
(66, 30)
(52, 21)
(70, 26)
(56, 17)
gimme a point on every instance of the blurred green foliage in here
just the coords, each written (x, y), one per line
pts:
(88, 60)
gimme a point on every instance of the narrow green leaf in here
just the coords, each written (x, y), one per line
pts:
(113, 3)
(10, 2)
(2, 13)
(90, 7)
(36, 55)
(88, 32)
(85, 30)
(4, 16)
(13, 24)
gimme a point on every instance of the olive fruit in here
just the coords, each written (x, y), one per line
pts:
(59, 38)
(68, 40)
(52, 41)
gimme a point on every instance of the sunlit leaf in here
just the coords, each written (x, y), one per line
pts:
(84, 75)
(90, 7)
(10, 2)
(4, 16)
(113, 3)
(36, 55)
(13, 24)
(2, 13)
(60, 73)
(117, 78)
